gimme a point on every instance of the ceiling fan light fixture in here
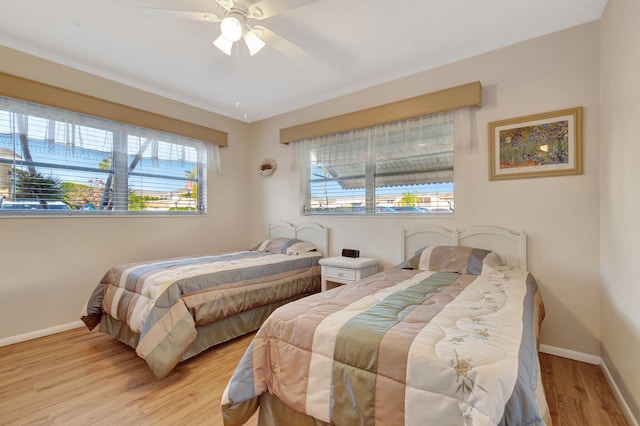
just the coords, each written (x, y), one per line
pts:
(231, 28)
(253, 42)
(223, 44)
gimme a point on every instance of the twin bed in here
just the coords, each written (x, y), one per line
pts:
(172, 309)
(449, 337)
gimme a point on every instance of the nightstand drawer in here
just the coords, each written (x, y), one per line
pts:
(343, 274)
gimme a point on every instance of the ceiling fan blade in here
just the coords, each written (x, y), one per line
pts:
(279, 43)
(263, 9)
(179, 14)
(226, 4)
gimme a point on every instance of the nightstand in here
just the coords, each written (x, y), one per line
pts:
(346, 270)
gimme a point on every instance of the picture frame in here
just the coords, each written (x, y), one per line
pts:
(539, 145)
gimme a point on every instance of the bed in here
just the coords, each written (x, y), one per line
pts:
(447, 337)
(169, 310)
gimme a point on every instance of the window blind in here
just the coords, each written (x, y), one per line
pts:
(400, 167)
(54, 161)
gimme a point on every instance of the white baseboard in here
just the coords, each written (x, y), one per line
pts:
(40, 333)
(616, 391)
(568, 353)
(592, 359)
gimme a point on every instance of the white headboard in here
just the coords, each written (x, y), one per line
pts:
(510, 246)
(414, 239)
(316, 234)
(281, 229)
(311, 232)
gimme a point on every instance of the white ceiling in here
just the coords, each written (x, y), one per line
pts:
(350, 45)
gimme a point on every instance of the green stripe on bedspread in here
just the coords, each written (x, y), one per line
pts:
(358, 341)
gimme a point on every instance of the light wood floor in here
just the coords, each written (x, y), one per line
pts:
(87, 378)
(579, 394)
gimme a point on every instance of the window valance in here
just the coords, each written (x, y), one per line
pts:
(32, 91)
(444, 100)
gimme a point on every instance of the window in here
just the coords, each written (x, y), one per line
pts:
(405, 167)
(59, 162)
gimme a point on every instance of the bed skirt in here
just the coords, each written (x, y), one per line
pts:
(208, 335)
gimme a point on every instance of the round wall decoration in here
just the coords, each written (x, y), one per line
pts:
(267, 167)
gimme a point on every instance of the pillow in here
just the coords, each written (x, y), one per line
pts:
(276, 245)
(414, 261)
(301, 247)
(493, 261)
(460, 259)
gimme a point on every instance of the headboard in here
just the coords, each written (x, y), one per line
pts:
(316, 234)
(311, 232)
(281, 229)
(414, 239)
(510, 246)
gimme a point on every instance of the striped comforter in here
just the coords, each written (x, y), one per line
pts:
(401, 347)
(165, 301)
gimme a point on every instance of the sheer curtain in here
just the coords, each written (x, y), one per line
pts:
(399, 134)
(400, 154)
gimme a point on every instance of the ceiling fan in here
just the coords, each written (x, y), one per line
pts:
(236, 21)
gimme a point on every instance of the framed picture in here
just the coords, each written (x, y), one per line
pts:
(547, 144)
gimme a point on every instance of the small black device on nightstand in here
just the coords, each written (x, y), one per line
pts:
(350, 253)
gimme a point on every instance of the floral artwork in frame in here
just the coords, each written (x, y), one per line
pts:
(547, 144)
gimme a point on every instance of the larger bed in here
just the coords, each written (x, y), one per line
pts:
(172, 309)
(448, 337)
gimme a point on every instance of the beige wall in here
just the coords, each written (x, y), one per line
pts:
(49, 266)
(582, 229)
(620, 196)
(560, 214)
